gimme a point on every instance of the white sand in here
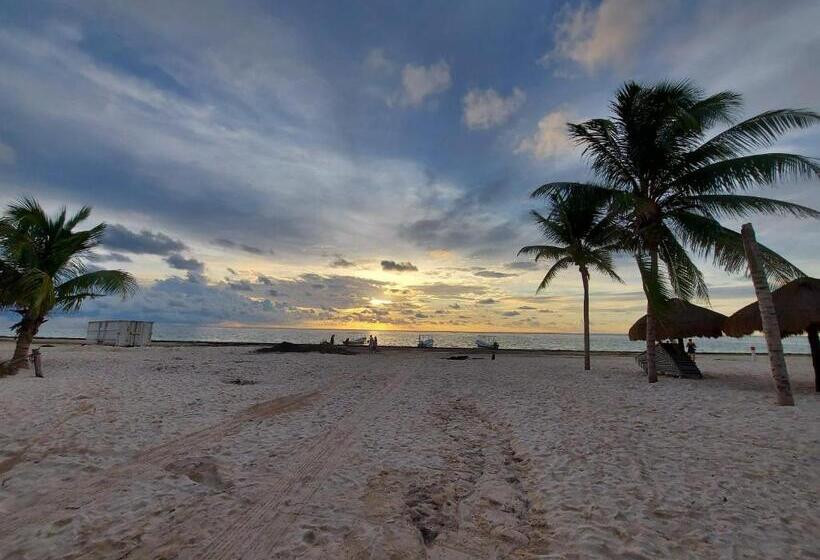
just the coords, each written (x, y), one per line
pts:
(148, 453)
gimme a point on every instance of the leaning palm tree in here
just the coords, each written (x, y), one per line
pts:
(583, 236)
(669, 183)
(42, 268)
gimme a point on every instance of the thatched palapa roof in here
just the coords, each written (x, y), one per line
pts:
(681, 320)
(797, 304)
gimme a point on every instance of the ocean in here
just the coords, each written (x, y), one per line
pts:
(528, 341)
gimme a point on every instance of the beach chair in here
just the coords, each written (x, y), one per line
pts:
(671, 361)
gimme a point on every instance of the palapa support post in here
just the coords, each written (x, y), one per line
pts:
(814, 344)
(37, 361)
(768, 318)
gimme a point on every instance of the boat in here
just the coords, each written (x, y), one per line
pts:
(425, 341)
(489, 343)
(360, 341)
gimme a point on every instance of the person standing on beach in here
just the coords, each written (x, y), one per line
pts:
(691, 348)
(332, 339)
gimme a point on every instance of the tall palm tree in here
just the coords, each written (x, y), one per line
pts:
(42, 268)
(669, 183)
(583, 236)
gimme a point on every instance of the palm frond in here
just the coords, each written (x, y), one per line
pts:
(708, 239)
(543, 252)
(761, 131)
(747, 172)
(558, 266)
(71, 293)
(685, 278)
(738, 206)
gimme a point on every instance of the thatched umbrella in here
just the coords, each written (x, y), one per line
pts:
(680, 320)
(798, 310)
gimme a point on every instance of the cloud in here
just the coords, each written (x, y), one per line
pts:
(181, 263)
(377, 61)
(510, 313)
(191, 301)
(7, 154)
(241, 286)
(604, 35)
(341, 262)
(394, 266)
(145, 242)
(551, 139)
(493, 274)
(487, 301)
(446, 290)
(108, 257)
(485, 109)
(522, 265)
(421, 82)
(229, 244)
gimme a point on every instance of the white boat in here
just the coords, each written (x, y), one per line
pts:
(487, 342)
(425, 341)
(355, 341)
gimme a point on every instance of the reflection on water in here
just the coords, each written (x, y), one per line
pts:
(165, 331)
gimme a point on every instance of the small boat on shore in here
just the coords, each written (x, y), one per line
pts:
(489, 343)
(425, 341)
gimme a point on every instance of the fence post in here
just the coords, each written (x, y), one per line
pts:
(38, 364)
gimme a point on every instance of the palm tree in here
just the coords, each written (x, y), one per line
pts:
(669, 183)
(584, 237)
(42, 268)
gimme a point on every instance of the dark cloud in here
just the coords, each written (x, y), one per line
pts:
(454, 306)
(145, 242)
(510, 313)
(230, 244)
(527, 308)
(522, 265)
(264, 280)
(398, 266)
(487, 301)
(493, 274)
(341, 262)
(241, 286)
(222, 242)
(181, 263)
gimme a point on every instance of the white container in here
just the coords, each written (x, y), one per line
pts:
(119, 333)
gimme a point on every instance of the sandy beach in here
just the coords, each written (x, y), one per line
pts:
(220, 452)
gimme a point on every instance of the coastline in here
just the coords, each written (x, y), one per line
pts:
(389, 348)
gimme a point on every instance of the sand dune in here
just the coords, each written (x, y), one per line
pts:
(198, 452)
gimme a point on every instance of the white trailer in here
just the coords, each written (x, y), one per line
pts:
(119, 333)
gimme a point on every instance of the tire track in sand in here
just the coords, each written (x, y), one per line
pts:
(256, 533)
(102, 485)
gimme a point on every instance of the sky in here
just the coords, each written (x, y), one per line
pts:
(365, 164)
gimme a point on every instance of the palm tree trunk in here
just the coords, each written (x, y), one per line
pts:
(585, 282)
(25, 335)
(814, 344)
(651, 365)
(768, 316)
